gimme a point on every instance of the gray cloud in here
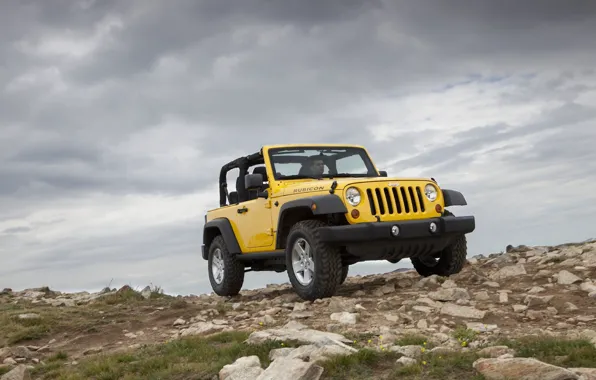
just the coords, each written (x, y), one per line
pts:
(109, 110)
(563, 145)
(16, 230)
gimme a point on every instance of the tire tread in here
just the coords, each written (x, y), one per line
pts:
(328, 263)
(233, 270)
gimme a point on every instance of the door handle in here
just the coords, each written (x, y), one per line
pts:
(242, 210)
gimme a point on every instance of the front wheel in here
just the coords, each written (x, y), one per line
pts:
(451, 260)
(314, 268)
(226, 273)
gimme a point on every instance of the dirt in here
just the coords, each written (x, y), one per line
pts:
(101, 326)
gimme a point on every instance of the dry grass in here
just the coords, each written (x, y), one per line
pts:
(203, 357)
(74, 320)
(186, 358)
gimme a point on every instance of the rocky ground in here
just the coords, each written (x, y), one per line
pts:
(529, 313)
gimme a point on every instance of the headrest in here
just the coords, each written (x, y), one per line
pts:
(260, 170)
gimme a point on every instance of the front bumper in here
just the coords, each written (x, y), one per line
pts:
(411, 229)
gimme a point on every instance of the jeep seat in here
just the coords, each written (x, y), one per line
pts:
(262, 171)
(240, 190)
(252, 194)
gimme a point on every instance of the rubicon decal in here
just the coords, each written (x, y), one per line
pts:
(305, 189)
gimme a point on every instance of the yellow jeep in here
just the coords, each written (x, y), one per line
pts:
(316, 209)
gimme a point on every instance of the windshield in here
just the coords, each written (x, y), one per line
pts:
(321, 162)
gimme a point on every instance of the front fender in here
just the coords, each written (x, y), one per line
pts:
(324, 205)
(453, 198)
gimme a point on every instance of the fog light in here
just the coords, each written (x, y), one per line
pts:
(395, 230)
(433, 227)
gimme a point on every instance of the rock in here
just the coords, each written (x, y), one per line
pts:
(422, 324)
(146, 292)
(345, 318)
(508, 272)
(536, 290)
(449, 294)
(587, 286)
(528, 291)
(462, 311)
(286, 368)
(201, 328)
(93, 350)
(277, 353)
(519, 308)
(20, 372)
(482, 296)
(298, 332)
(503, 297)
(587, 373)
(404, 361)
(537, 301)
(521, 369)
(448, 284)
(567, 278)
(29, 316)
(481, 327)
(20, 352)
(244, 368)
(315, 353)
(414, 352)
(341, 304)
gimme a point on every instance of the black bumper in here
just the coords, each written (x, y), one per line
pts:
(412, 229)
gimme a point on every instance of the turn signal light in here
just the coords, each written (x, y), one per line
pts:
(355, 213)
(438, 208)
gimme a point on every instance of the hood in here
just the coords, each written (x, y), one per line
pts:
(314, 185)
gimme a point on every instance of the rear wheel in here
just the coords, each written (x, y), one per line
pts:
(450, 260)
(314, 268)
(344, 274)
(226, 273)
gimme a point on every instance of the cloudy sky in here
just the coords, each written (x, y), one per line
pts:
(115, 117)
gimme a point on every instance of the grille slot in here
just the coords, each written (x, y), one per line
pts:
(393, 201)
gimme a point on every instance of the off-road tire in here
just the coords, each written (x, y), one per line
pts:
(344, 274)
(233, 270)
(451, 260)
(326, 258)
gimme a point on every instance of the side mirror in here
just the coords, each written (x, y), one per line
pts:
(253, 181)
(383, 173)
(233, 197)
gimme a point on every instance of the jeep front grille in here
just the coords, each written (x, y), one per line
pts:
(395, 200)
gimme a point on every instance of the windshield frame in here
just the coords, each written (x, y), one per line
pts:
(350, 151)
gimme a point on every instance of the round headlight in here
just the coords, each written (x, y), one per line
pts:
(353, 196)
(431, 192)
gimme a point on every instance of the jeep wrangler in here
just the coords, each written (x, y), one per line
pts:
(315, 209)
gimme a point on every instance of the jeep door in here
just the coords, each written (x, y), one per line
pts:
(253, 223)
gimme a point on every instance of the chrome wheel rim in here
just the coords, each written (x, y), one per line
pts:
(302, 263)
(217, 266)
